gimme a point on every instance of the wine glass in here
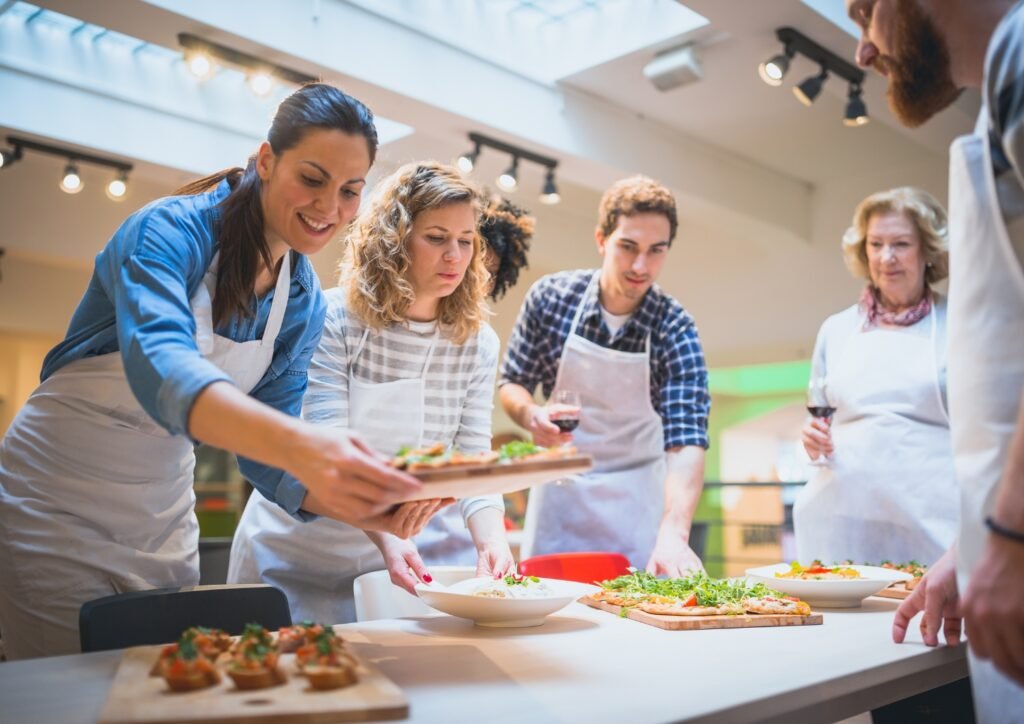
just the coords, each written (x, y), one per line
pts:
(819, 406)
(564, 411)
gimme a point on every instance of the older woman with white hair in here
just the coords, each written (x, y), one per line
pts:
(888, 490)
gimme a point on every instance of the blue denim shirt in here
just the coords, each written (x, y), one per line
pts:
(137, 303)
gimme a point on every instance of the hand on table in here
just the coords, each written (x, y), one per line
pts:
(817, 437)
(936, 594)
(993, 607)
(673, 557)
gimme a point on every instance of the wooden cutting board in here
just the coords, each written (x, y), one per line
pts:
(496, 479)
(897, 590)
(698, 623)
(135, 696)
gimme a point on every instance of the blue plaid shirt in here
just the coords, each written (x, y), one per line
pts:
(679, 378)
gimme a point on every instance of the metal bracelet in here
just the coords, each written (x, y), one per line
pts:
(1002, 531)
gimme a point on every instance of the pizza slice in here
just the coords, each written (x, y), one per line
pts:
(912, 567)
(695, 595)
(435, 457)
(689, 606)
(769, 604)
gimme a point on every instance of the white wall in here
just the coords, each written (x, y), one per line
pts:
(754, 301)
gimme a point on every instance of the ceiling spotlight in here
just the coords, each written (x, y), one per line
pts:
(261, 83)
(856, 112)
(200, 65)
(773, 70)
(508, 180)
(117, 188)
(809, 88)
(9, 157)
(468, 160)
(71, 182)
(549, 194)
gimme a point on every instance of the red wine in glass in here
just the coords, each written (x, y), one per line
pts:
(820, 407)
(821, 411)
(564, 413)
(566, 424)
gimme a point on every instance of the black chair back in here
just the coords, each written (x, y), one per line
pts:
(159, 616)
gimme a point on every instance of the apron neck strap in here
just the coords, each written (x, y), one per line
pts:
(280, 303)
(430, 350)
(594, 280)
(359, 348)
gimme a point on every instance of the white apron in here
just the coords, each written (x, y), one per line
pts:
(889, 492)
(96, 497)
(315, 563)
(986, 374)
(618, 505)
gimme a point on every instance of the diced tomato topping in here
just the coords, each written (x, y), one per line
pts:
(178, 668)
(817, 569)
(691, 601)
(203, 664)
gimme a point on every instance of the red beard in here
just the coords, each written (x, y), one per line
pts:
(920, 80)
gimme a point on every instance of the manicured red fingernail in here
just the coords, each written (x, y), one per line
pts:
(428, 578)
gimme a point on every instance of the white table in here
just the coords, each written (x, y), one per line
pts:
(584, 666)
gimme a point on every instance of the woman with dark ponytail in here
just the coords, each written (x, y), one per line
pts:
(198, 325)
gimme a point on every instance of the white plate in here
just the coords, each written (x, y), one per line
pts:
(457, 600)
(830, 593)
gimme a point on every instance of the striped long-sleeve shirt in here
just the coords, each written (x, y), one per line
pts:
(459, 380)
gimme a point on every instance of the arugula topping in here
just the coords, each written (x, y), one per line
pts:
(708, 591)
(325, 641)
(518, 449)
(256, 642)
(187, 648)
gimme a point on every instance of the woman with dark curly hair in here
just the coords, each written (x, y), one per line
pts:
(507, 230)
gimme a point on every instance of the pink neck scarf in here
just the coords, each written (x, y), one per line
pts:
(875, 313)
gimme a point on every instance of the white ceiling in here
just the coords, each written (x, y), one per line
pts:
(766, 186)
(733, 109)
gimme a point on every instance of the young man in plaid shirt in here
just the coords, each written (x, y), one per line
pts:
(632, 355)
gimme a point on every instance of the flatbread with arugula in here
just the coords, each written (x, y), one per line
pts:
(696, 595)
(435, 456)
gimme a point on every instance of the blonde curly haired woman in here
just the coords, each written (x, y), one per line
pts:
(888, 491)
(406, 358)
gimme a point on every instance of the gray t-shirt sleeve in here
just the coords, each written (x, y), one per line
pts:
(1004, 106)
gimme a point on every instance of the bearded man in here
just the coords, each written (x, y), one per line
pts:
(929, 50)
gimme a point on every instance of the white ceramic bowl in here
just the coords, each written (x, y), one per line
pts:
(847, 593)
(457, 600)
